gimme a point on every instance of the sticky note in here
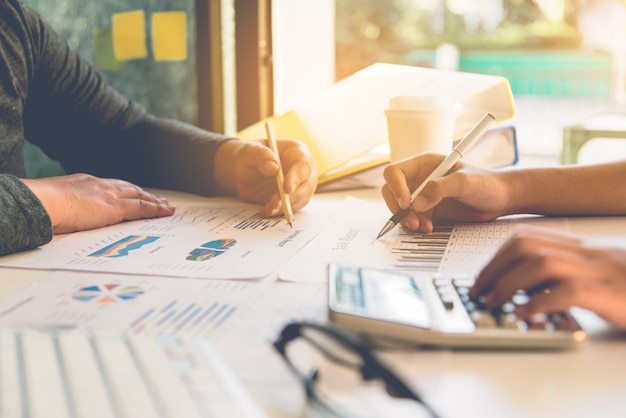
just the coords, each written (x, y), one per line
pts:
(129, 35)
(169, 36)
(105, 57)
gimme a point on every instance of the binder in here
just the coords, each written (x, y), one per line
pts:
(345, 125)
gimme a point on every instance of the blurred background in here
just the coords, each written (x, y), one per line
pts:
(565, 59)
(249, 59)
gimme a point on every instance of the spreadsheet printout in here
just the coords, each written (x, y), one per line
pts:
(350, 238)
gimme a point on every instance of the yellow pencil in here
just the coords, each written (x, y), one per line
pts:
(280, 177)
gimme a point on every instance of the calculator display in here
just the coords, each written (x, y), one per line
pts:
(378, 295)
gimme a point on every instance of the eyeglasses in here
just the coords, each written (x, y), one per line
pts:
(346, 350)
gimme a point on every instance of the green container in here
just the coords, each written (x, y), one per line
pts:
(546, 73)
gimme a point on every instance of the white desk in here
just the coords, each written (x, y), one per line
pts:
(587, 382)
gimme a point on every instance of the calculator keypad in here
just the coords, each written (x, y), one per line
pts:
(501, 317)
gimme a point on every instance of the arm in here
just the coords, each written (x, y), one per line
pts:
(100, 132)
(79, 120)
(471, 194)
(60, 103)
(597, 189)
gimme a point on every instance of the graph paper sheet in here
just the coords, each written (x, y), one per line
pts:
(218, 240)
(350, 238)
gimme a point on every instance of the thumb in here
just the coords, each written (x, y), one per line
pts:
(430, 196)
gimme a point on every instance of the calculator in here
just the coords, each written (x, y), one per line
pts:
(433, 309)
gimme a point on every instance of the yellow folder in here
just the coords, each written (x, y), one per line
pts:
(345, 125)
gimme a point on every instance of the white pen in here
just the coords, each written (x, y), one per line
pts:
(442, 169)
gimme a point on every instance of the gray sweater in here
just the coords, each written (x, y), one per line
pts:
(53, 98)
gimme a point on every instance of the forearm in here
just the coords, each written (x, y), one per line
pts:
(99, 131)
(223, 171)
(177, 156)
(568, 190)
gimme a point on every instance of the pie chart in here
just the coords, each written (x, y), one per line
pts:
(107, 293)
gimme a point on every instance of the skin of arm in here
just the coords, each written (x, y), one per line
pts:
(472, 194)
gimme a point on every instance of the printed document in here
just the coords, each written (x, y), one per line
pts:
(350, 238)
(144, 305)
(221, 239)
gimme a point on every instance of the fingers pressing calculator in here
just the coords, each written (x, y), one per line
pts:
(436, 310)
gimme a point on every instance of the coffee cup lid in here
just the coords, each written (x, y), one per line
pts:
(421, 103)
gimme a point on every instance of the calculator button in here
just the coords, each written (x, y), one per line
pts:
(448, 302)
(507, 308)
(470, 306)
(520, 298)
(463, 281)
(441, 281)
(465, 298)
(483, 319)
(511, 321)
(539, 322)
(463, 291)
(480, 302)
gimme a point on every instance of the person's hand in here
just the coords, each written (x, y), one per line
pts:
(79, 202)
(465, 194)
(249, 170)
(559, 272)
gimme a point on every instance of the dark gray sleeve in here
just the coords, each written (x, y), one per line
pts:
(24, 223)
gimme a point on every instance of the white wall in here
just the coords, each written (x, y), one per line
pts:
(304, 50)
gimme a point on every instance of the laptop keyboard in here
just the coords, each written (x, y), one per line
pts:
(75, 375)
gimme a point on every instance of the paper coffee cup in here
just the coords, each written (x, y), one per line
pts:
(418, 124)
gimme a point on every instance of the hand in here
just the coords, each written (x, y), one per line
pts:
(465, 194)
(560, 272)
(79, 202)
(249, 169)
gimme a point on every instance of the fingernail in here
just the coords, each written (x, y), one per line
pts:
(271, 166)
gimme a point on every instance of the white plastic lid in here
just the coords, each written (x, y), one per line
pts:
(420, 103)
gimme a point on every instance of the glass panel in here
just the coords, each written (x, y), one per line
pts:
(165, 87)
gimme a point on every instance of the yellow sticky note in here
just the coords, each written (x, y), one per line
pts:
(169, 36)
(129, 35)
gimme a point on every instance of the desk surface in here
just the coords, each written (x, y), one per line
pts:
(587, 382)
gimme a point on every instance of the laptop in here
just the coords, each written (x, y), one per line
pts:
(97, 375)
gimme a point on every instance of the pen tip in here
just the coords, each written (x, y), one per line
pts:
(388, 227)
